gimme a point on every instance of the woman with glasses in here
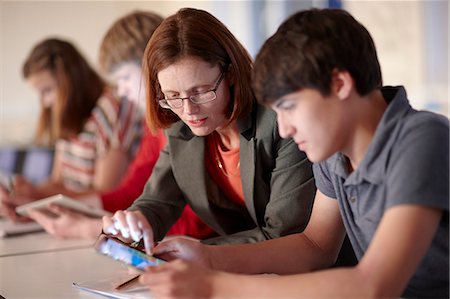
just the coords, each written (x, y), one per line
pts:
(223, 157)
(120, 56)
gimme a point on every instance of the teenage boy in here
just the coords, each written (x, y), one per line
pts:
(381, 168)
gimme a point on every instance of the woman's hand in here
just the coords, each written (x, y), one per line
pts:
(130, 225)
(184, 248)
(67, 223)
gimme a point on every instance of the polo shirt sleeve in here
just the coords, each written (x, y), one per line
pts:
(418, 169)
(323, 179)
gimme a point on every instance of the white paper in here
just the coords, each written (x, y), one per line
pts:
(106, 287)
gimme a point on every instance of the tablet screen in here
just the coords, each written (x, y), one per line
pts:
(126, 254)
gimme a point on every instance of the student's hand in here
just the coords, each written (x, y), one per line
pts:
(130, 226)
(184, 248)
(21, 193)
(6, 208)
(67, 223)
(23, 189)
(8, 204)
(179, 279)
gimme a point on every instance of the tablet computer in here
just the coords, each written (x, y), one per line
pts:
(65, 202)
(120, 251)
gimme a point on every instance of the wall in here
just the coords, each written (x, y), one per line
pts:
(22, 24)
(412, 44)
(411, 38)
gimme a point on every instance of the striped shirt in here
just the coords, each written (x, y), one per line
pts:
(114, 124)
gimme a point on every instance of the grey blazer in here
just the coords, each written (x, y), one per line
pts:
(277, 182)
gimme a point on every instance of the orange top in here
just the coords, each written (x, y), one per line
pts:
(224, 168)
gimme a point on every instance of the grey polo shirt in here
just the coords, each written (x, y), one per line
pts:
(407, 162)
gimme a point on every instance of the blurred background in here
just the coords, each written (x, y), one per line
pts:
(412, 39)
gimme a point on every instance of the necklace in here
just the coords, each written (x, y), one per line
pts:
(221, 165)
(222, 168)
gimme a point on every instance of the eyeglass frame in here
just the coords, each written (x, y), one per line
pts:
(165, 104)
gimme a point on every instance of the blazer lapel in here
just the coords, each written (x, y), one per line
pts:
(188, 156)
(247, 156)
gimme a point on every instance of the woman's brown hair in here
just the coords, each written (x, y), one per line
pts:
(192, 32)
(79, 88)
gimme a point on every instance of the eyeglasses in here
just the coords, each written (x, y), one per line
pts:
(198, 98)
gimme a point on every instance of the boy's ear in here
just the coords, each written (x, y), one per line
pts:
(342, 84)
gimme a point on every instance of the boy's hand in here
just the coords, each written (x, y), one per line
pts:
(179, 279)
(183, 248)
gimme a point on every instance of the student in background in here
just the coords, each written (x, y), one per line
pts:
(121, 54)
(381, 169)
(95, 134)
(223, 157)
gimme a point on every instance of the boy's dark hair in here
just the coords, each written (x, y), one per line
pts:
(306, 49)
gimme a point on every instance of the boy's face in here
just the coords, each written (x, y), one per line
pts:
(128, 78)
(316, 123)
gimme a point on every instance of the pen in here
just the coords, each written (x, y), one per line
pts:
(127, 282)
(7, 183)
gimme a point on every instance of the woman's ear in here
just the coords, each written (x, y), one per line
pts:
(342, 84)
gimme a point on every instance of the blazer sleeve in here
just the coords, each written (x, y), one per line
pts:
(161, 206)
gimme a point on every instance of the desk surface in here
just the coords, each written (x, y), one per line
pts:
(51, 274)
(38, 243)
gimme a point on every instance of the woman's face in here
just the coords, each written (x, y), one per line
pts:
(190, 76)
(45, 84)
(128, 78)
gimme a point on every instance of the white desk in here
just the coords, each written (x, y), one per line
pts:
(51, 274)
(39, 265)
(37, 243)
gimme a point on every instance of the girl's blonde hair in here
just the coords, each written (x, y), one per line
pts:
(126, 39)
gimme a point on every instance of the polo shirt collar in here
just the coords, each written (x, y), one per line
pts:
(372, 166)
